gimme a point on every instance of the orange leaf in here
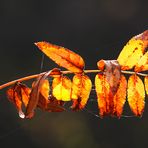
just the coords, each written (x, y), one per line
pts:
(120, 97)
(81, 88)
(19, 94)
(133, 51)
(146, 84)
(142, 64)
(34, 95)
(61, 88)
(62, 56)
(136, 95)
(107, 85)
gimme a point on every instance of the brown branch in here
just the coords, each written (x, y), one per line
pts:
(64, 72)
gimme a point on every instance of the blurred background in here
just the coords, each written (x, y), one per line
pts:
(95, 29)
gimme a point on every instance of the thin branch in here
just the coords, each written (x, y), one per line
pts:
(64, 72)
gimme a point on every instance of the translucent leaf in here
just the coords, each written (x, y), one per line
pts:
(120, 97)
(142, 64)
(81, 88)
(62, 56)
(136, 95)
(133, 51)
(61, 88)
(18, 95)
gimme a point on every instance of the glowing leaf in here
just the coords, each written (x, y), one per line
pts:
(142, 64)
(136, 95)
(81, 87)
(18, 94)
(62, 56)
(107, 86)
(133, 51)
(34, 95)
(120, 97)
(102, 90)
(61, 88)
(146, 84)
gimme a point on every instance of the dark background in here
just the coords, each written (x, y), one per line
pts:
(95, 29)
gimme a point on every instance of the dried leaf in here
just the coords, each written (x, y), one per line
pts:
(142, 64)
(81, 88)
(34, 95)
(133, 51)
(146, 84)
(61, 88)
(62, 56)
(18, 95)
(107, 85)
(120, 97)
(136, 95)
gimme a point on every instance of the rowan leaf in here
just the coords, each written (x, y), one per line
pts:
(81, 88)
(34, 95)
(142, 64)
(136, 95)
(146, 84)
(19, 95)
(107, 85)
(61, 88)
(133, 51)
(120, 97)
(62, 56)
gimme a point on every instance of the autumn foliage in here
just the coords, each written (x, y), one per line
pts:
(112, 87)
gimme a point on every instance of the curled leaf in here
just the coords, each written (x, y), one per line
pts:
(18, 95)
(142, 64)
(146, 84)
(34, 95)
(61, 88)
(136, 95)
(107, 85)
(133, 51)
(62, 56)
(81, 88)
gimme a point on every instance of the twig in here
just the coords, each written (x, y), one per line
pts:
(64, 72)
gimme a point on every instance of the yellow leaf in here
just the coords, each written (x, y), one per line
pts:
(62, 56)
(81, 88)
(136, 95)
(133, 51)
(142, 64)
(61, 88)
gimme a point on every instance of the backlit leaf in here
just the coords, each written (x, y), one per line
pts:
(133, 51)
(34, 95)
(81, 87)
(142, 64)
(18, 95)
(62, 56)
(136, 95)
(61, 88)
(120, 97)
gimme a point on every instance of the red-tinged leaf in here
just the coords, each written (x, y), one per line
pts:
(18, 95)
(81, 88)
(136, 95)
(62, 56)
(133, 51)
(107, 85)
(120, 97)
(34, 95)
